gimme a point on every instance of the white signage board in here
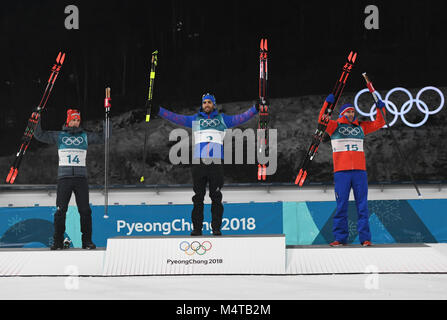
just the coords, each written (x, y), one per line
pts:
(257, 254)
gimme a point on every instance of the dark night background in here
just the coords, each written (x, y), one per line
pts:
(213, 46)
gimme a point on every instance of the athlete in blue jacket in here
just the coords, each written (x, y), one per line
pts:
(72, 143)
(208, 127)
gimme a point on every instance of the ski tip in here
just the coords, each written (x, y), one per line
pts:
(155, 52)
(354, 57)
(297, 180)
(350, 56)
(9, 174)
(58, 57)
(263, 44)
(303, 178)
(14, 176)
(62, 59)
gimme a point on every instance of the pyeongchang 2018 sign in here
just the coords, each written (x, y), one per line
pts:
(195, 252)
(229, 254)
(406, 106)
(167, 220)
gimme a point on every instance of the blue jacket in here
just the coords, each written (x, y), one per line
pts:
(208, 129)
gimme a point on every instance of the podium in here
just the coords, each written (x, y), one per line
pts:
(187, 255)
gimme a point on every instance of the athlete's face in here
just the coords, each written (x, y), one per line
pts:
(350, 114)
(74, 123)
(207, 105)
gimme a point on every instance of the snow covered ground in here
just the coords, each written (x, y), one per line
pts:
(220, 287)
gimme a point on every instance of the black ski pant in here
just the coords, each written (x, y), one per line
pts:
(65, 187)
(211, 174)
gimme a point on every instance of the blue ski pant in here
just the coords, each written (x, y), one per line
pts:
(344, 181)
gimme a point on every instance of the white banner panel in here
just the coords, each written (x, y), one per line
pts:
(257, 254)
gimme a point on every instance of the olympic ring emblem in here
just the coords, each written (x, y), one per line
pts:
(76, 141)
(405, 108)
(195, 247)
(209, 122)
(349, 131)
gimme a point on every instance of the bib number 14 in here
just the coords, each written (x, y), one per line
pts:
(74, 159)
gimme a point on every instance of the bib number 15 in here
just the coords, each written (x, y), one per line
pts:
(352, 147)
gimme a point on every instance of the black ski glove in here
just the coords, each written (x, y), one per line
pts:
(258, 103)
(154, 111)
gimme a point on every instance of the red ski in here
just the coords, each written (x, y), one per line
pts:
(34, 118)
(263, 107)
(318, 135)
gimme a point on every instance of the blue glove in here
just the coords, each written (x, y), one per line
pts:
(330, 98)
(380, 104)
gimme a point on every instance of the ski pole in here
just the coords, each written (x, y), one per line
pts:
(154, 61)
(107, 106)
(376, 99)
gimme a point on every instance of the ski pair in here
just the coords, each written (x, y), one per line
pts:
(323, 122)
(263, 107)
(34, 119)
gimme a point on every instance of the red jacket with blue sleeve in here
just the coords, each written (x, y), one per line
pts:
(347, 140)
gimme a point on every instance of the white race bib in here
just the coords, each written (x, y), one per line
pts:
(72, 157)
(340, 145)
(214, 136)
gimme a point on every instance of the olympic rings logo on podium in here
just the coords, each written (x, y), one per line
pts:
(405, 108)
(195, 247)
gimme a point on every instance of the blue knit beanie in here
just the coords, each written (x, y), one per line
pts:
(209, 96)
(345, 108)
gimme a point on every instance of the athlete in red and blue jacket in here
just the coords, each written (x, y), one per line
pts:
(347, 135)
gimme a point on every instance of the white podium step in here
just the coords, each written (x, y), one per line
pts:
(180, 255)
(252, 255)
(43, 262)
(354, 259)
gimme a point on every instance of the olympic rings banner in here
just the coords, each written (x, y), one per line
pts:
(406, 107)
